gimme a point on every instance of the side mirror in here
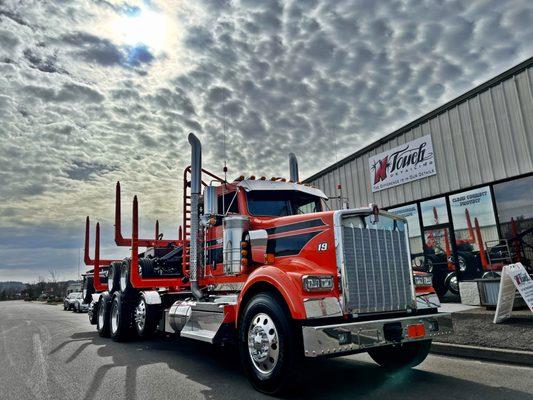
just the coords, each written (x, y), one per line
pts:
(210, 200)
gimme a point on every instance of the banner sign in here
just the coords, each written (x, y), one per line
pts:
(514, 276)
(408, 162)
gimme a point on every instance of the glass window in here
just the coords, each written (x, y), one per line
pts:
(438, 250)
(410, 213)
(230, 200)
(434, 212)
(514, 201)
(469, 207)
(475, 231)
(281, 203)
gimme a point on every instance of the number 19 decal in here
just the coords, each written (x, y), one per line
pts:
(323, 246)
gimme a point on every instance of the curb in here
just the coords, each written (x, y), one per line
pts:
(519, 357)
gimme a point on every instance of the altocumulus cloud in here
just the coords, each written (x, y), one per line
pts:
(82, 105)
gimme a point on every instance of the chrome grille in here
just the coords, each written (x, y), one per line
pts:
(377, 272)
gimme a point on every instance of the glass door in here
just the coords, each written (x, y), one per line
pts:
(439, 246)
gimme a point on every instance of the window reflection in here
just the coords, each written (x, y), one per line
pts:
(410, 212)
(434, 212)
(475, 231)
(514, 201)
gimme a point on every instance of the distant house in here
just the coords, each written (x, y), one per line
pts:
(74, 287)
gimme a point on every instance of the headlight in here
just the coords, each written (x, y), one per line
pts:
(314, 283)
(423, 280)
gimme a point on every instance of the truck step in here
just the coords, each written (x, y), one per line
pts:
(202, 335)
(199, 320)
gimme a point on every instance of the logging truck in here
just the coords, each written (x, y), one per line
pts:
(263, 263)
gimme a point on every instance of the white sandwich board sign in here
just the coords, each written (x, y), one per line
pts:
(514, 276)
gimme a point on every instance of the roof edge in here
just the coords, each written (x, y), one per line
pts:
(445, 107)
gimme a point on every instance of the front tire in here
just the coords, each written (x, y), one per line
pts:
(102, 321)
(452, 283)
(405, 355)
(120, 318)
(267, 343)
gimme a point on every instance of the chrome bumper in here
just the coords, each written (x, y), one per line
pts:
(359, 336)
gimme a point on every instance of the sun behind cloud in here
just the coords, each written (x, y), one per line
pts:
(143, 27)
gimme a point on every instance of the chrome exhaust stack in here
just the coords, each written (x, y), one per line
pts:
(293, 168)
(196, 184)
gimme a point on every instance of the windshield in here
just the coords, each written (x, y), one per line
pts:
(280, 203)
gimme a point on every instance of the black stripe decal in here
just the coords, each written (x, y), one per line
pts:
(289, 245)
(293, 227)
(213, 242)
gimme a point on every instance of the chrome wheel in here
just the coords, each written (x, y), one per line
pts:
(140, 315)
(114, 318)
(263, 343)
(101, 317)
(454, 284)
(110, 278)
(462, 264)
(429, 264)
(123, 286)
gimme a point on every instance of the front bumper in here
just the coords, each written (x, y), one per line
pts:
(359, 336)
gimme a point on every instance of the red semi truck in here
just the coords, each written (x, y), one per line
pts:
(263, 263)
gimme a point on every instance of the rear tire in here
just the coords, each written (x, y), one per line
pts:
(125, 284)
(120, 318)
(88, 289)
(268, 344)
(113, 277)
(405, 355)
(102, 322)
(145, 318)
(93, 314)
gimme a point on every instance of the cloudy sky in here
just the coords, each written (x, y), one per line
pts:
(92, 92)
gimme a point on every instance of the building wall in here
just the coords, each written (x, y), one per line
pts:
(483, 138)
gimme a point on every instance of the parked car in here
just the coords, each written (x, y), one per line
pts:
(80, 305)
(68, 302)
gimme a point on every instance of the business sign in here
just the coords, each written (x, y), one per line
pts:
(406, 163)
(514, 277)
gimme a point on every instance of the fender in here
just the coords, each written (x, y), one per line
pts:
(151, 297)
(287, 280)
(96, 297)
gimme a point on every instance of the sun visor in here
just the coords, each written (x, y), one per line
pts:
(250, 185)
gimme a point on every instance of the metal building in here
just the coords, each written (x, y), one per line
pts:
(462, 175)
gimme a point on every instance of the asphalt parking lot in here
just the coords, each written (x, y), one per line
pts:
(48, 353)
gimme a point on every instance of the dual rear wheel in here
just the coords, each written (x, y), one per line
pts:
(123, 318)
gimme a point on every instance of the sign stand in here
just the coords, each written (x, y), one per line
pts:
(514, 276)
